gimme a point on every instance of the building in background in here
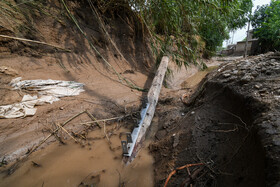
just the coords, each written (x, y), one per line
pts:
(252, 45)
(239, 48)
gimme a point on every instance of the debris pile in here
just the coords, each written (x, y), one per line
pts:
(259, 74)
(48, 91)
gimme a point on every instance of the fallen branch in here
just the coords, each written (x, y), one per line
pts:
(103, 120)
(34, 41)
(147, 113)
(57, 137)
(179, 168)
(78, 134)
(66, 132)
(55, 132)
(93, 118)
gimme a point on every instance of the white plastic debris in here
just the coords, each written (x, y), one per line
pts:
(56, 88)
(49, 91)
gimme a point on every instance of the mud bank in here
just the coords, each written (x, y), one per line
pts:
(230, 125)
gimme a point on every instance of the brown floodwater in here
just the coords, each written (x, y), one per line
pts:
(195, 79)
(95, 164)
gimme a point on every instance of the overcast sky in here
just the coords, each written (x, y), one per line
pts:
(240, 34)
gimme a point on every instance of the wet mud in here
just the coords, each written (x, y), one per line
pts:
(97, 162)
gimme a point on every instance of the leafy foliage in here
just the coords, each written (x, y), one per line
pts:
(189, 24)
(216, 23)
(184, 29)
(266, 24)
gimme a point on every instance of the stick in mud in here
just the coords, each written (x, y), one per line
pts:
(108, 119)
(93, 118)
(66, 132)
(34, 41)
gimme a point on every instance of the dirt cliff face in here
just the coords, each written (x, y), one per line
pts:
(231, 125)
(50, 22)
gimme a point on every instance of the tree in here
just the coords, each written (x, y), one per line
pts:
(183, 29)
(195, 24)
(266, 24)
(216, 23)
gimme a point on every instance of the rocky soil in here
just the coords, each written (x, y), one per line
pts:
(230, 125)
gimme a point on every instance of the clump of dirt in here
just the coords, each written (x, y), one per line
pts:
(230, 125)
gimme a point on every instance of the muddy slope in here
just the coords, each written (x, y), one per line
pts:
(104, 95)
(231, 125)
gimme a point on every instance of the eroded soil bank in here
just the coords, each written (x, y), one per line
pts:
(230, 125)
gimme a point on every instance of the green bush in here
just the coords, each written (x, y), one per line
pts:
(181, 22)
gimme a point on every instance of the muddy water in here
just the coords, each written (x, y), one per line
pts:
(194, 80)
(96, 163)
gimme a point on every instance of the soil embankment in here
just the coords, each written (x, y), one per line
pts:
(105, 95)
(98, 156)
(230, 125)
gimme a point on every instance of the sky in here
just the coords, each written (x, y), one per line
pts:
(240, 34)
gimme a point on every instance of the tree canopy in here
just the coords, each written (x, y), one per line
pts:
(187, 29)
(266, 24)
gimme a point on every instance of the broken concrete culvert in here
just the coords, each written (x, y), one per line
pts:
(230, 125)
